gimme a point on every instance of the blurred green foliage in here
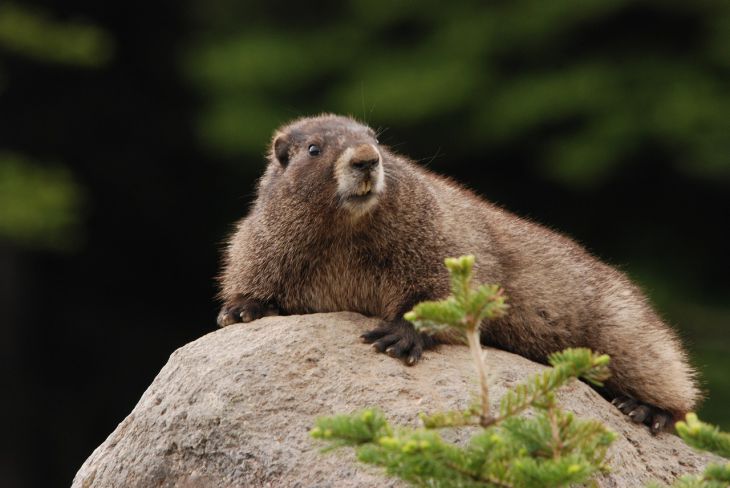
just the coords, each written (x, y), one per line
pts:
(39, 206)
(31, 33)
(509, 68)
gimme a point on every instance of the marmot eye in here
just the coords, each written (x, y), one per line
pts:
(314, 150)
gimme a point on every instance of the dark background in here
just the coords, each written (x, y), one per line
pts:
(131, 137)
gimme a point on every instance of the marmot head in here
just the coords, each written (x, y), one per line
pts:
(329, 159)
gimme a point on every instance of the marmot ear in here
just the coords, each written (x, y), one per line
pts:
(281, 149)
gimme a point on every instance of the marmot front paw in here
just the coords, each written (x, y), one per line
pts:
(244, 310)
(399, 340)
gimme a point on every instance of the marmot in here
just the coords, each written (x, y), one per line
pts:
(341, 222)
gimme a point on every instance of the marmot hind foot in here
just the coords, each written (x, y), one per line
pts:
(657, 419)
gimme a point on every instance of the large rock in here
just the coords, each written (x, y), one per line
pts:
(234, 409)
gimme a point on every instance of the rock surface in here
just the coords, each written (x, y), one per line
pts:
(234, 407)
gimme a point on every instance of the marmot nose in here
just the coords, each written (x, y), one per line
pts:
(364, 165)
(365, 158)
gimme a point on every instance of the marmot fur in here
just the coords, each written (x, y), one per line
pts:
(343, 223)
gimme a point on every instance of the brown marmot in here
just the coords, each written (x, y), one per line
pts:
(343, 223)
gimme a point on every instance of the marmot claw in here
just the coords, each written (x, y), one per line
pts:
(657, 419)
(244, 310)
(399, 340)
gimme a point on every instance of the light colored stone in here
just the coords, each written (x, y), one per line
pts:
(234, 408)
